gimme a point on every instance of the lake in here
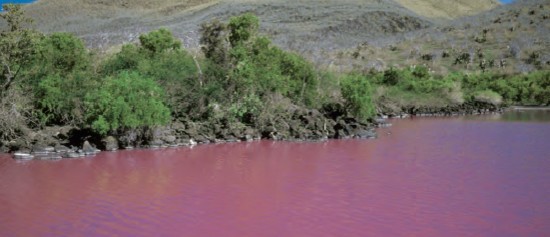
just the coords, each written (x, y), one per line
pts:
(461, 176)
(2, 2)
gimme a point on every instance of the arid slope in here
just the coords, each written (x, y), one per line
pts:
(328, 24)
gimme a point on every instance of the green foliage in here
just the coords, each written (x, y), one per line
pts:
(247, 109)
(529, 89)
(17, 46)
(243, 28)
(416, 79)
(159, 41)
(357, 91)
(61, 53)
(391, 77)
(250, 64)
(171, 67)
(488, 96)
(125, 101)
(128, 58)
(214, 41)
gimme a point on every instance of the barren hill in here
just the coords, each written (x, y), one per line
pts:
(339, 34)
(448, 9)
(509, 38)
(336, 23)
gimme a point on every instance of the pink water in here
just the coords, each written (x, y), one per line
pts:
(430, 177)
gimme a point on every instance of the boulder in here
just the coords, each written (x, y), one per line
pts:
(62, 149)
(365, 134)
(88, 149)
(169, 139)
(23, 155)
(110, 143)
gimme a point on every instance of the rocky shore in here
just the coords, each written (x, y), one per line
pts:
(297, 125)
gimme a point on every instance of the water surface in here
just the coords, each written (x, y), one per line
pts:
(464, 176)
(2, 2)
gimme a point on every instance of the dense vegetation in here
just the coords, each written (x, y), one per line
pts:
(242, 80)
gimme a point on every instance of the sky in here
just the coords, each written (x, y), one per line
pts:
(506, 1)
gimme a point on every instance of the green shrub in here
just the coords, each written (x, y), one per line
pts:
(62, 53)
(391, 77)
(213, 41)
(59, 99)
(357, 91)
(159, 41)
(242, 28)
(247, 109)
(128, 58)
(125, 101)
(488, 96)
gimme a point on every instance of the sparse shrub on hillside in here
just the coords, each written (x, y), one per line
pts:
(391, 77)
(462, 58)
(427, 57)
(534, 59)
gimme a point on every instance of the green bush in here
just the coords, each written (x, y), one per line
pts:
(488, 96)
(242, 28)
(128, 58)
(59, 99)
(62, 53)
(125, 101)
(160, 57)
(159, 41)
(529, 89)
(356, 90)
(247, 110)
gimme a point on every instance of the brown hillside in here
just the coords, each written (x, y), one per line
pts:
(338, 34)
(448, 9)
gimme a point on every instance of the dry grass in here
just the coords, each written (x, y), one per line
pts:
(328, 32)
(448, 9)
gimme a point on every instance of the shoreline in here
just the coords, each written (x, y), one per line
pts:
(543, 108)
(307, 128)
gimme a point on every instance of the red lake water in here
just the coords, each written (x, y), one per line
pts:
(463, 176)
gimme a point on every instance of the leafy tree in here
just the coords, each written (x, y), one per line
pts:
(159, 41)
(62, 53)
(214, 41)
(242, 28)
(17, 45)
(356, 90)
(129, 58)
(60, 97)
(126, 101)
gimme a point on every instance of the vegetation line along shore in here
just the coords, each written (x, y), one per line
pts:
(56, 93)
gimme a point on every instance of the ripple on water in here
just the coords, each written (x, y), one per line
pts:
(430, 177)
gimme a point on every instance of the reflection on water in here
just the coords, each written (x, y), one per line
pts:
(422, 177)
(527, 115)
(518, 115)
